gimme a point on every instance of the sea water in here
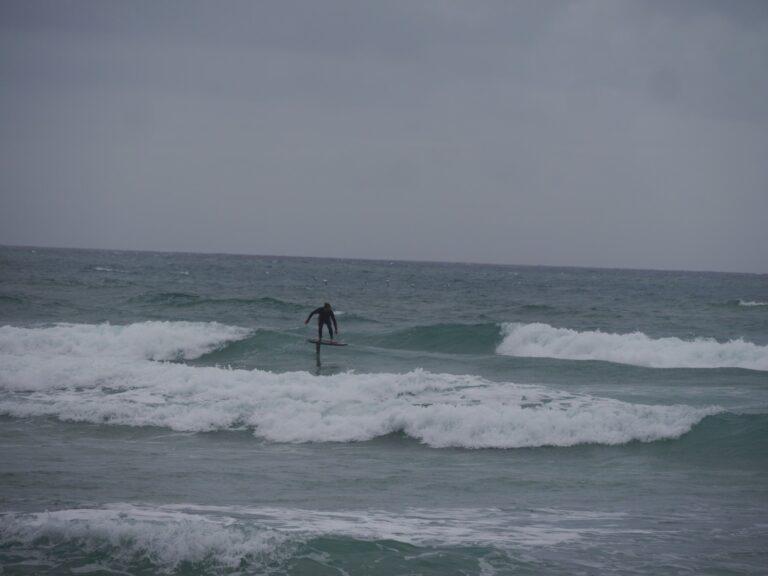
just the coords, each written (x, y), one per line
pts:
(164, 414)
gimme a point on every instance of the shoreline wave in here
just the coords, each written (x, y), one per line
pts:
(229, 539)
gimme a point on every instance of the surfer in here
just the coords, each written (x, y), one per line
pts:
(324, 316)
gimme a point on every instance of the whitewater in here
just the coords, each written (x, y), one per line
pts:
(110, 375)
(164, 414)
(544, 341)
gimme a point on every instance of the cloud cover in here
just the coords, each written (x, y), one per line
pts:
(587, 133)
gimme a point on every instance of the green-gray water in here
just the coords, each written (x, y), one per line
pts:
(163, 413)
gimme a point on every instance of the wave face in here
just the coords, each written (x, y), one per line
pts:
(111, 375)
(445, 338)
(544, 341)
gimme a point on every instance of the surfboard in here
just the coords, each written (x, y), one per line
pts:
(326, 342)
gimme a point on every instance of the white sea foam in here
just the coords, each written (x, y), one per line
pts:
(144, 340)
(70, 373)
(751, 303)
(106, 269)
(166, 538)
(226, 535)
(419, 526)
(544, 341)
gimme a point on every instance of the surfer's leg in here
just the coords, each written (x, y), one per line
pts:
(319, 329)
(330, 328)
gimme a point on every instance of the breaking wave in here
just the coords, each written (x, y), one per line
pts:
(128, 537)
(142, 341)
(111, 375)
(544, 341)
(189, 539)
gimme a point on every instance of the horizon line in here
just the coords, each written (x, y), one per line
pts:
(371, 259)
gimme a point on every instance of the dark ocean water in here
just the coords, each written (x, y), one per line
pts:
(164, 414)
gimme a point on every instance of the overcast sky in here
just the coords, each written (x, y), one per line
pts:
(586, 133)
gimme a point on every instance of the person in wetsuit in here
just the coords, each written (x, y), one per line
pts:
(324, 316)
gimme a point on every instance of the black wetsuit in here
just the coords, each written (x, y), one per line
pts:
(324, 317)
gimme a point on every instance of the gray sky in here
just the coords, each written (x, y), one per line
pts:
(588, 133)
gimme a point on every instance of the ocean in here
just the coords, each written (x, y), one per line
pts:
(164, 414)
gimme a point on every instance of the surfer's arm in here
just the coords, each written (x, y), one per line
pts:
(312, 314)
(336, 326)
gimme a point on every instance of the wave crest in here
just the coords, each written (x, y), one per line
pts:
(752, 303)
(152, 340)
(544, 341)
